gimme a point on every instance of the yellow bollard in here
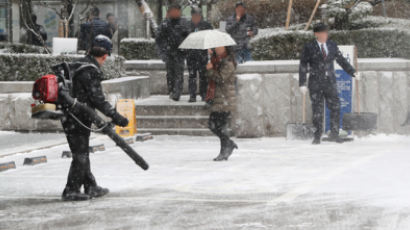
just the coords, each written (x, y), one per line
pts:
(126, 107)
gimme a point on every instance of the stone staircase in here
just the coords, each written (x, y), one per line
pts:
(160, 115)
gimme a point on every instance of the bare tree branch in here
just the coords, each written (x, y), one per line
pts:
(52, 8)
(31, 29)
(72, 10)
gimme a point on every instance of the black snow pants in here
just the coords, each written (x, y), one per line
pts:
(80, 170)
(197, 66)
(320, 92)
(218, 123)
(175, 76)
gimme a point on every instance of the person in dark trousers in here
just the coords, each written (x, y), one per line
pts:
(242, 27)
(34, 39)
(197, 59)
(112, 22)
(171, 33)
(92, 28)
(221, 70)
(86, 88)
(317, 59)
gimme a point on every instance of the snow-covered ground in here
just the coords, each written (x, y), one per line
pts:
(269, 183)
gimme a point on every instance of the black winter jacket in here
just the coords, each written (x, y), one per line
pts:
(86, 87)
(171, 33)
(312, 61)
(199, 54)
(32, 39)
(239, 30)
(90, 30)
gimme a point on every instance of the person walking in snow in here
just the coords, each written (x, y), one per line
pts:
(92, 28)
(197, 59)
(171, 33)
(221, 71)
(86, 88)
(317, 59)
(242, 27)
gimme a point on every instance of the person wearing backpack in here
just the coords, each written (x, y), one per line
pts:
(86, 88)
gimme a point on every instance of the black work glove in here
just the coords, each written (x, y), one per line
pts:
(119, 120)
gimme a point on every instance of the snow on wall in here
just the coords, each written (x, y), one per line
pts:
(269, 97)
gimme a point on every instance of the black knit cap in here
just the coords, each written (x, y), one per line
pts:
(103, 42)
(240, 4)
(174, 6)
(320, 27)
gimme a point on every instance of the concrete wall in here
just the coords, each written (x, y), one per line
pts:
(16, 100)
(269, 97)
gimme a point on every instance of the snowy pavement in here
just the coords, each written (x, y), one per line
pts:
(12, 142)
(269, 183)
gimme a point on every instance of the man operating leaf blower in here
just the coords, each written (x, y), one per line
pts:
(76, 95)
(86, 87)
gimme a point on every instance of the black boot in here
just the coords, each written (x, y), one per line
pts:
(230, 146)
(96, 191)
(74, 196)
(192, 99)
(334, 137)
(316, 140)
(220, 157)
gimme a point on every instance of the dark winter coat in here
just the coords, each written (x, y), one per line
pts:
(171, 33)
(86, 87)
(320, 69)
(225, 91)
(32, 39)
(90, 30)
(199, 54)
(239, 29)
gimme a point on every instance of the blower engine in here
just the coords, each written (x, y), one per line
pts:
(55, 102)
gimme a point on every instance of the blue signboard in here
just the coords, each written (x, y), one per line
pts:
(344, 89)
(344, 86)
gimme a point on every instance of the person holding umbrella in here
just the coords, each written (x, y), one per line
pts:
(221, 93)
(318, 58)
(197, 59)
(221, 70)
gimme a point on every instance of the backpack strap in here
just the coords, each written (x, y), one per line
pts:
(85, 66)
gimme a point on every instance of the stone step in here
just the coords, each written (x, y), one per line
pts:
(160, 115)
(176, 131)
(163, 106)
(167, 110)
(176, 122)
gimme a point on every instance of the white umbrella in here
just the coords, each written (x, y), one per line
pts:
(207, 39)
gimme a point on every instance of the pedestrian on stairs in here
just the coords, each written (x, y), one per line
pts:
(221, 74)
(197, 59)
(171, 33)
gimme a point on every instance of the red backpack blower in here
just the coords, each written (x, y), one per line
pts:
(55, 102)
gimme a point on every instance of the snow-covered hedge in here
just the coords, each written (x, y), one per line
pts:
(6, 47)
(274, 44)
(138, 48)
(29, 67)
